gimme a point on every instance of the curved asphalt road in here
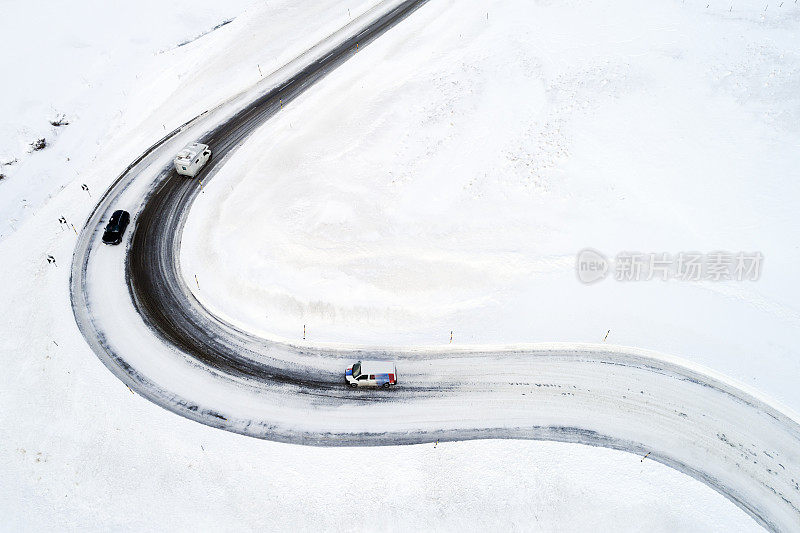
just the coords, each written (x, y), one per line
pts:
(217, 374)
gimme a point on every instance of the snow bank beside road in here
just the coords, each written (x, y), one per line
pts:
(446, 178)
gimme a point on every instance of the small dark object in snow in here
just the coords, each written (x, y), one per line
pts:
(59, 120)
(2, 177)
(38, 144)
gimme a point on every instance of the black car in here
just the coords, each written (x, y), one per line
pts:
(116, 227)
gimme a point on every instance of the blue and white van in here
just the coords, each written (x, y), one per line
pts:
(371, 374)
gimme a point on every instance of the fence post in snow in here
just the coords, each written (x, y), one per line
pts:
(304, 332)
(606, 337)
(451, 339)
(196, 281)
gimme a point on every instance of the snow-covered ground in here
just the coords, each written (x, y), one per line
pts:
(446, 178)
(86, 61)
(80, 451)
(125, 75)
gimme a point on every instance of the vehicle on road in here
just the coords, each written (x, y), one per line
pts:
(116, 227)
(371, 374)
(192, 158)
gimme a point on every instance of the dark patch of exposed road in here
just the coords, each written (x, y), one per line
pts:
(156, 286)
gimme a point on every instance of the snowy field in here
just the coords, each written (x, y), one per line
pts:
(125, 75)
(405, 195)
(446, 179)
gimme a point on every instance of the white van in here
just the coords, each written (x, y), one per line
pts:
(371, 374)
(191, 159)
